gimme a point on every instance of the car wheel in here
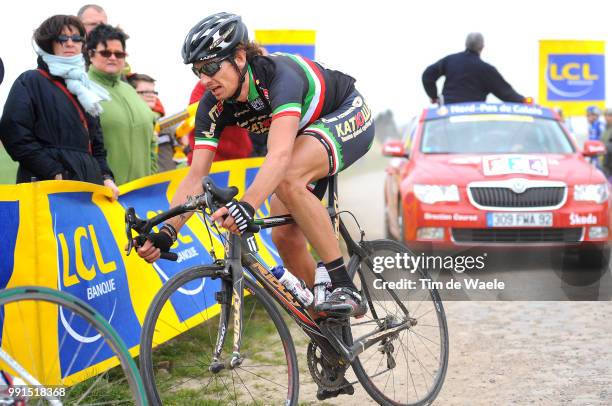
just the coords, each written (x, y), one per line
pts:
(387, 228)
(401, 223)
(594, 257)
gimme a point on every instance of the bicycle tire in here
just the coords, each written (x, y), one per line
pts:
(12, 296)
(373, 382)
(161, 300)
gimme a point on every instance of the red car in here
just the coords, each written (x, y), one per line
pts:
(483, 174)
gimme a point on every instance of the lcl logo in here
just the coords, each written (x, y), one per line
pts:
(572, 71)
(575, 77)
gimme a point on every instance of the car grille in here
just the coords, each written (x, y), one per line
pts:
(504, 197)
(516, 235)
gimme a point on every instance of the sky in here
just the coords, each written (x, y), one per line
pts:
(384, 44)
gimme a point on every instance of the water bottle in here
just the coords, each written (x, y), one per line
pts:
(297, 287)
(322, 284)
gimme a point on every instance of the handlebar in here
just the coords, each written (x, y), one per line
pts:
(214, 197)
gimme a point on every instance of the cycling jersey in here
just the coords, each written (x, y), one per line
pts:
(596, 129)
(279, 85)
(329, 107)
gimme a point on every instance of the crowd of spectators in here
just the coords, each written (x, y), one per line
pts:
(83, 115)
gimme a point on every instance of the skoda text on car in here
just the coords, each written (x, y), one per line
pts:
(476, 174)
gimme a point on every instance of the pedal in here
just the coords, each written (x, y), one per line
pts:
(347, 389)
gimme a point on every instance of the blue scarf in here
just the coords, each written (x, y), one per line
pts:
(72, 70)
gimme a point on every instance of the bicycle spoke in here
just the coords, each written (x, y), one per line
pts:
(409, 371)
(420, 335)
(261, 377)
(246, 387)
(424, 314)
(427, 348)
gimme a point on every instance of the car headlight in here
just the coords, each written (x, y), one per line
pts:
(597, 193)
(431, 194)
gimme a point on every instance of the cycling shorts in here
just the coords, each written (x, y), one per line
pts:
(347, 135)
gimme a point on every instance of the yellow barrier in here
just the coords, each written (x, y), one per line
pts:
(70, 236)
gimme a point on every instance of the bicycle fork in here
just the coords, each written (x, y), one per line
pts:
(231, 296)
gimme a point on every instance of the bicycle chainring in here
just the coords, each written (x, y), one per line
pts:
(327, 376)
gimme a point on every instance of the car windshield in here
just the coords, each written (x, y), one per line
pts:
(494, 134)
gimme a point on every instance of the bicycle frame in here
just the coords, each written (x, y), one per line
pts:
(241, 251)
(328, 334)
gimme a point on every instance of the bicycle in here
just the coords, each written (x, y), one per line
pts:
(24, 312)
(263, 355)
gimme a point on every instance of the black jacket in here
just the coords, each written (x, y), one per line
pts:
(42, 130)
(468, 79)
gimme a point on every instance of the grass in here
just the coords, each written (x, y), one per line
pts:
(8, 168)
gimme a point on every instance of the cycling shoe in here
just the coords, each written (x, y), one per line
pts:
(343, 302)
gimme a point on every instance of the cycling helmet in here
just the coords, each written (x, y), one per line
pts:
(216, 36)
(593, 110)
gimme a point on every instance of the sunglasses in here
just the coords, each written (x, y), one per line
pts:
(64, 38)
(147, 92)
(209, 69)
(107, 54)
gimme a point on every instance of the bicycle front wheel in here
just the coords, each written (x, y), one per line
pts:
(409, 367)
(45, 370)
(179, 335)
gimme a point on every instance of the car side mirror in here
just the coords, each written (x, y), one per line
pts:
(593, 148)
(394, 149)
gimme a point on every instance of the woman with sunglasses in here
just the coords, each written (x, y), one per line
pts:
(127, 121)
(50, 123)
(317, 124)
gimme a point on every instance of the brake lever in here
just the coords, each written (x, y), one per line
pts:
(132, 222)
(129, 222)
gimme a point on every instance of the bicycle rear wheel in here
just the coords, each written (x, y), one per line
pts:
(409, 368)
(50, 369)
(179, 335)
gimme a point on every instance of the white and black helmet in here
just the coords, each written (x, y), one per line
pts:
(214, 37)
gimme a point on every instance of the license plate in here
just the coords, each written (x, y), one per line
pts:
(519, 220)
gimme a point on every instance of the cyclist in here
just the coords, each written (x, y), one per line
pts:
(317, 124)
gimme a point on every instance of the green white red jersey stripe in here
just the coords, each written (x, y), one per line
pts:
(314, 98)
(289, 109)
(329, 140)
(209, 143)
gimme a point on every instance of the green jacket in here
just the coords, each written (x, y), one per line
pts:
(606, 137)
(127, 124)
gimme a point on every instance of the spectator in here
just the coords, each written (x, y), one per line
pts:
(260, 144)
(606, 138)
(234, 142)
(92, 15)
(468, 78)
(50, 123)
(145, 87)
(596, 127)
(127, 121)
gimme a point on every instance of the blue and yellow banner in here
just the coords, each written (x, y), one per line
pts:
(572, 75)
(301, 42)
(69, 236)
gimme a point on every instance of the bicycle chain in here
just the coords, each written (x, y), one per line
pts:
(327, 376)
